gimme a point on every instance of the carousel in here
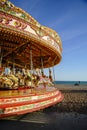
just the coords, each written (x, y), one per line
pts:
(26, 49)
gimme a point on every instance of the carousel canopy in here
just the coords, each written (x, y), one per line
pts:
(23, 38)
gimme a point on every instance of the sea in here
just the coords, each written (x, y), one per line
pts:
(71, 82)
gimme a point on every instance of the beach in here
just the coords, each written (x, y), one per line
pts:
(70, 114)
(75, 98)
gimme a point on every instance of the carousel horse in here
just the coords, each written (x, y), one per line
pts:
(43, 79)
(8, 80)
(29, 79)
(40, 78)
(14, 79)
(5, 83)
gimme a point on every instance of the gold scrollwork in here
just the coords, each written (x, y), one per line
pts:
(5, 19)
(23, 26)
(17, 24)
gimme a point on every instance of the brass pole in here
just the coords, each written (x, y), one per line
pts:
(31, 63)
(0, 57)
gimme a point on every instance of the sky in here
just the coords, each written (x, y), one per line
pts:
(69, 19)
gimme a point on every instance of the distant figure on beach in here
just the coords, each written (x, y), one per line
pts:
(77, 84)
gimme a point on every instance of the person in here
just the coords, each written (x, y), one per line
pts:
(7, 71)
(38, 72)
(14, 71)
(23, 71)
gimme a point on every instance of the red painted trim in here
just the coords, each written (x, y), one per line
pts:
(28, 102)
(32, 110)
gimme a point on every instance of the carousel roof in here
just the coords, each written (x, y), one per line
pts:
(20, 33)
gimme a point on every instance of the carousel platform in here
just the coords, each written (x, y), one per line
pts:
(26, 48)
(21, 101)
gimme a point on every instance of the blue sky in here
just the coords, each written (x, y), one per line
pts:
(69, 19)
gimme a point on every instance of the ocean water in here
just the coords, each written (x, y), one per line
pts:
(71, 82)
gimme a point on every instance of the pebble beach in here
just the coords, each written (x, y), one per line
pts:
(75, 98)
